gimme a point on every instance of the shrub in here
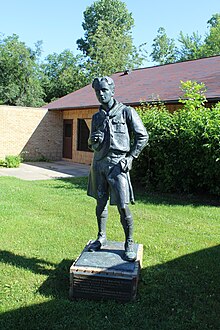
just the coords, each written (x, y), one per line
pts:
(193, 95)
(12, 161)
(183, 154)
(2, 163)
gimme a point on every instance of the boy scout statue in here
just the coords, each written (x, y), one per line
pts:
(117, 137)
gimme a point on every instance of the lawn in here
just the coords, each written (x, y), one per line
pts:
(46, 224)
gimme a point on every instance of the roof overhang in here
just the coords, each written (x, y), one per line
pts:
(134, 104)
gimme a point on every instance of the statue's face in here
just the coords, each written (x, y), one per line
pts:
(104, 92)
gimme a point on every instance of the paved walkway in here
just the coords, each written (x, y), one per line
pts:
(46, 170)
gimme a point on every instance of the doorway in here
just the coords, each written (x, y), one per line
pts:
(67, 138)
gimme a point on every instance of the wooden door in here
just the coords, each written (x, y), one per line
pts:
(67, 138)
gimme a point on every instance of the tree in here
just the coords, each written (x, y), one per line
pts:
(62, 74)
(113, 51)
(212, 41)
(107, 41)
(19, 73)
(109, 11)
(191, 47)
(194, 46)
(164, 49)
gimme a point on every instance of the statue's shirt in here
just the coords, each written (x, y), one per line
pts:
(122, 130)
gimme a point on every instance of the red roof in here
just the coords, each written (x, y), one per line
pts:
(148, 84)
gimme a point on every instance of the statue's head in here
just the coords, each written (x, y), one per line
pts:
(104, 88)
(97, 81)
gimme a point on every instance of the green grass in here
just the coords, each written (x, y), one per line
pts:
(44, 225)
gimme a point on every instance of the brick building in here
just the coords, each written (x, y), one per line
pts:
(147, 84)
(61, 128)
(33, 133)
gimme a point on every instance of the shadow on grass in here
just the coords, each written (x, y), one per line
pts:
(180, 294)
(57, 282)
(147, 196)
(36, 265)
(151, 197)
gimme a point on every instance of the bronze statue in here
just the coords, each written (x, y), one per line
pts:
(117, 137)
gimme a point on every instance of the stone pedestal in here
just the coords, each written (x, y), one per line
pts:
(104, 274)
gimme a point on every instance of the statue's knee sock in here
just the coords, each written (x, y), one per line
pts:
(101, 215)
(127, 222)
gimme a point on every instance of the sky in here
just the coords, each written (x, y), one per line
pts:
(58, 23)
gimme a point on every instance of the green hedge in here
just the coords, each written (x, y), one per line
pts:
(183, 154)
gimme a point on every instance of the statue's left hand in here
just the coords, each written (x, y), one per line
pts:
(126, 163)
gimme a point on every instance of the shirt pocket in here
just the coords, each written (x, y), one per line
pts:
(118, 126)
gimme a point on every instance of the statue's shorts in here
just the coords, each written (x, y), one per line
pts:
(107, 179)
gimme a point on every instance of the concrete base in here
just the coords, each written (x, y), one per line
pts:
(105, 274)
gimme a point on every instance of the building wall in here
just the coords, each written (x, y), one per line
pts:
(36, 133)
(83, 157)
(33, 133)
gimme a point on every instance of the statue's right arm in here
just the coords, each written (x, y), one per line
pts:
(96, 136)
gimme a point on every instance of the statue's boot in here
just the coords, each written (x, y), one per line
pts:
(127, 223)
(101, 237)
(98, 243)
(130, 254)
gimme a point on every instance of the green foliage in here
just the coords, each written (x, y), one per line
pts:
(108, 42)
(2, 163)
(189, 47)
(19, 73)
(113, 51)
(12, 161)
(62, 74)
(211, 45)
(113, 12)
(194, 95)
(164, 48)
(183, 151)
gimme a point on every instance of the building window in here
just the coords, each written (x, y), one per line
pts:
(83, 134)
